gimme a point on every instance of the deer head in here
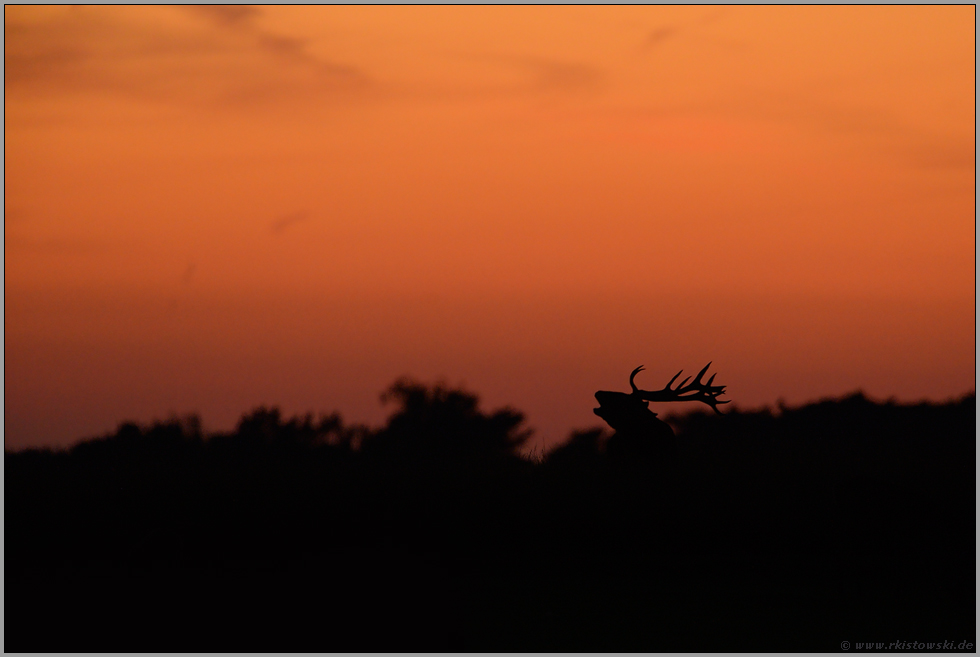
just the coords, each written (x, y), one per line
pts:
(628, 411)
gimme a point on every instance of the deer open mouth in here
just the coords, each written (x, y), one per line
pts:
(615, 404)
(604, 397)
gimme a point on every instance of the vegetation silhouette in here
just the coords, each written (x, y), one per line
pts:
(443, 426)
(776, 529)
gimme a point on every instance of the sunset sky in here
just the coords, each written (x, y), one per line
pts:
(212, 208)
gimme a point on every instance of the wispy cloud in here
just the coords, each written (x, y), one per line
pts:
(241, 19)
(188, 276)
(536, 75)
(932, 152)
(280, 225)
(16, 242)
(664, 33)
(225, 14)
(877, 127)
(217, 55)
(564, 76)
(227, 57)
(658, 36)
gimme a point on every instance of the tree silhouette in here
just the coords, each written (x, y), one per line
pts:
(439, 423)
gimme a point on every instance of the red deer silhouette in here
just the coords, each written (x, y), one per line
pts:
(637, 427)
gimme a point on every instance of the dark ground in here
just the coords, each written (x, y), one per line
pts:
(845, 520)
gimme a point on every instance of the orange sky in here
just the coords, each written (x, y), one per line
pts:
(207, 209)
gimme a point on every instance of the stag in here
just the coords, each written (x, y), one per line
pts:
(636, 425)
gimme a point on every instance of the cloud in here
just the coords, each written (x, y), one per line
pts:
(240, 19)
(151, 53)
(18, 242)
(225, 14)
(661, 35)
(882, 130)
(280, 225)
(564, 76)
(658, 36)
(874, 128)
(23, 67)
(537, 75)
(936, 152)
(188, 276)
(224, 57)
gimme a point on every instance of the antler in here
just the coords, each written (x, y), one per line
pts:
(636, 390)
(696, 391)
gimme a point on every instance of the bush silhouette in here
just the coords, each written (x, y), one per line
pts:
(441, 424)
